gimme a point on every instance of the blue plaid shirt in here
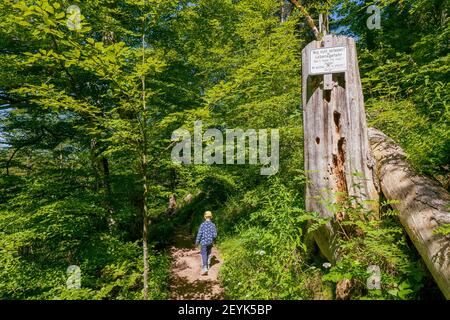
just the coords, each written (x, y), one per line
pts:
(206, 234)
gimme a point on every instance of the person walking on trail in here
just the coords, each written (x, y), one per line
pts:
(205, 238)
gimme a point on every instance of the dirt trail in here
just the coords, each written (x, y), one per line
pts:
(186, 279)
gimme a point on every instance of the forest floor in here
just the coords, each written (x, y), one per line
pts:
(186, 279)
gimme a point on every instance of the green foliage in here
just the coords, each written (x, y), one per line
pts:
(405, 76)
(266, 258)
(443, 229)
(77, 142)
(366, 239)
(56, 222)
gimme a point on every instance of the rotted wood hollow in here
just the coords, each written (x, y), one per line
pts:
(423, 205)
(338, 159)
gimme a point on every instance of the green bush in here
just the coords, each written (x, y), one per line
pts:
(267, 257)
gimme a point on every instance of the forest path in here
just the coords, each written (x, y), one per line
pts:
(186, 279)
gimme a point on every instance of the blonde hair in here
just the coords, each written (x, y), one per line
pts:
(208, 214)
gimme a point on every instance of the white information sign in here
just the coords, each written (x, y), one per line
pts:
(328, 60)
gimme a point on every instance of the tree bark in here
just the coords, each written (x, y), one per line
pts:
(335, 142)
(338, 162)
(423, 205)
(145, 253)
(144, 166)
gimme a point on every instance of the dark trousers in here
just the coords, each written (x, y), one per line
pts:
(206, 253)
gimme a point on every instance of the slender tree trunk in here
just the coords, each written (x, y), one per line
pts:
(94, 163)
(145, 204)
(283, 10)
(106, 177)
(145, 237)
(145, 213)
(8, 163)
(309, 19)
(108, 191)
(144, 167)
(108, 38)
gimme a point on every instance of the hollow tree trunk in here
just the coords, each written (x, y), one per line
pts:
(423, 205)
(337, 152)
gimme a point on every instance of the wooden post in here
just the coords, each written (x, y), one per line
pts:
(337, 151)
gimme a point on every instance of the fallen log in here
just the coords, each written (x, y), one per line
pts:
(423, 205)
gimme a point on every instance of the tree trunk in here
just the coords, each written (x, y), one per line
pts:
(145, 251)
(145, 194)
(308, 18)
(10, 159)
(144, 163)
(423, 205)
(108, 192)
(172, 208)
(338, 161)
